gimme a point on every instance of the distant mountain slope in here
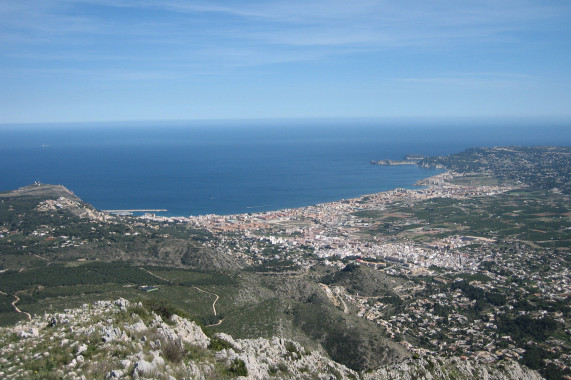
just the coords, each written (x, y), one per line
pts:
(187, 254)
(365, 281)
(50, 222)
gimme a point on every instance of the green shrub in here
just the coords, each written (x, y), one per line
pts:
(290, 347)
(217, 344)
(283, 368)
(163, 308)
(173, 350)
(196, 353)
(238, 367)
(91, 350)
(141, 312)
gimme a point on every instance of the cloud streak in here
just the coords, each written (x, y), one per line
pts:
(357, 53)
(470, 80)
(296, 24)
(205, 36)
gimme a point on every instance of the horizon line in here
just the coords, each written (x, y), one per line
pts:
(477, 118)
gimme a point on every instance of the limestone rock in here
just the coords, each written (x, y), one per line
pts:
(144, 368)
(112, 332)
(429, 368)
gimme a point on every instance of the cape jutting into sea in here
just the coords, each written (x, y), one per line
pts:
(193, 168)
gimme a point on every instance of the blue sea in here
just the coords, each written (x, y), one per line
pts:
(225, 167)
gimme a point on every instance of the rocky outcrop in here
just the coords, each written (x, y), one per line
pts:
(123, 340)
(431, 368)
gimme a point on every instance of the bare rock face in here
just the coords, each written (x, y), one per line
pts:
(228, 339)
(143, 369)
(281, 358)
(119, 339)
(431, 368)
(181, 329)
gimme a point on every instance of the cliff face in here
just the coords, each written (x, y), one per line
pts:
(126, 340)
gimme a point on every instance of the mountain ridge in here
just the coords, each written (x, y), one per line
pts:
(122, 339)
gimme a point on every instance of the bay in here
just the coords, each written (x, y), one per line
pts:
(225, 167)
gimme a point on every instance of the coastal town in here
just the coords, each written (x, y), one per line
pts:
(468, 264)
(459, 287)
(273, 190)
(334, 230)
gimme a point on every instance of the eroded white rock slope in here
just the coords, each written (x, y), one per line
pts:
(124, 340)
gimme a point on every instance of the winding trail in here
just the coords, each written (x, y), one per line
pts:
(335, 297)
(216, 324)
(43, 258)
(16, 309)
(214, 294)
(345, 307)
(197, 288)
(213, 305)
(155, 275)
(40, 257)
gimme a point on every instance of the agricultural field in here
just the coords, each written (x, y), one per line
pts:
(525, 216)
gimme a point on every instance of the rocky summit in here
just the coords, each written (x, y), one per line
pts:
(128, 340)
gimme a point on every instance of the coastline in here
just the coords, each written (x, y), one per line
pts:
(425, 182)
(339, 229)
(438, 185)
(276, 198)
(276, 168)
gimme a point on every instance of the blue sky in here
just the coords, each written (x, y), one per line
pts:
(105, 60)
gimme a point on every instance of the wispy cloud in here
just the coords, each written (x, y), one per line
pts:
(470, 79)
(359, 21)
(231, 33)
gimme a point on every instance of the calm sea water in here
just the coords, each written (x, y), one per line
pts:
(236, 167)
